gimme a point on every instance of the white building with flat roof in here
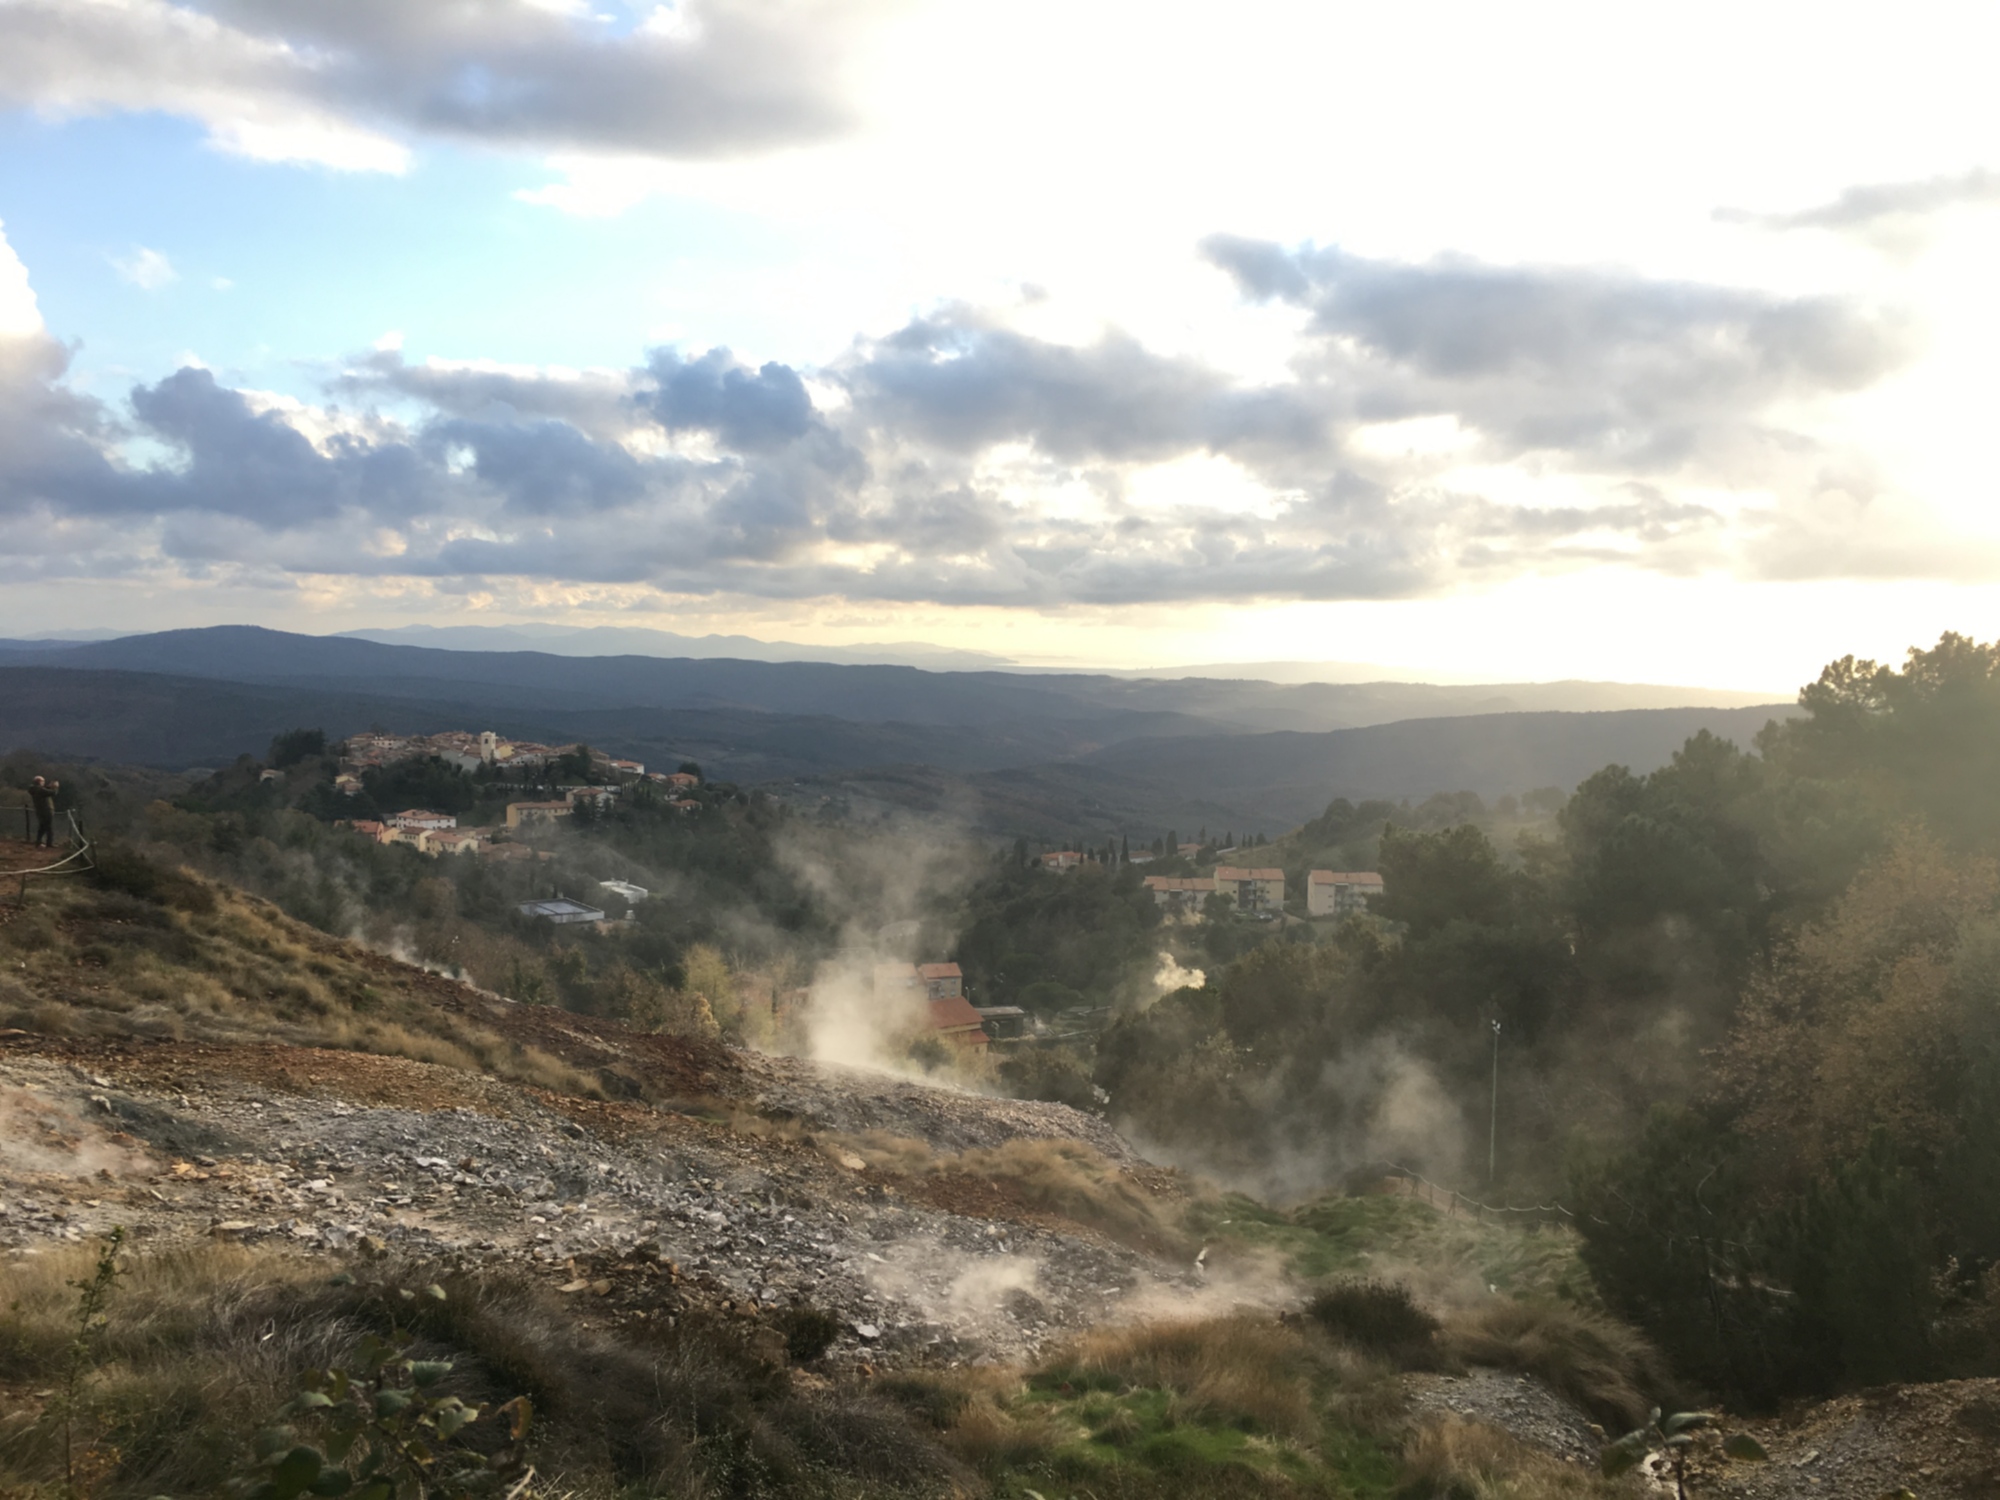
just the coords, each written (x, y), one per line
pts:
(560, 910)
(1335, 893)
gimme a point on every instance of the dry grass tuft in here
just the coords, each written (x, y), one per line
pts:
(1601, 1365)
(1452, 1459)
(1243, 1369)
(985, 1425)
(165, 954)
(201, 1348)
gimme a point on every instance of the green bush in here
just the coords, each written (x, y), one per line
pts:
(1380, 1317)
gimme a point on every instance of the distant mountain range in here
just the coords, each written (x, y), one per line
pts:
(632, 640)
(1006, 749)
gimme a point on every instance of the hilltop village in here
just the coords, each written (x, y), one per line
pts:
(522, 763)
(479, 801)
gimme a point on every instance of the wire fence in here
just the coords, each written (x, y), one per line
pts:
(79, 858)
(1405, 1183)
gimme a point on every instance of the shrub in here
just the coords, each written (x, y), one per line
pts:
(808, 1332)
(1379, 1317)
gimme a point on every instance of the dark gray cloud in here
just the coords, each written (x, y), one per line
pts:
(957, 383)
(256, 465)
(548, 468)
(1653, 376)
(1871, 208)
(599, 403)
(53, 440)
(745, 75)
(752, 411)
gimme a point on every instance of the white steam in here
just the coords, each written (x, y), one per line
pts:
(848, 1023)
(975, 1296)
(1169, 976)
(39, 1133)
(885, 887)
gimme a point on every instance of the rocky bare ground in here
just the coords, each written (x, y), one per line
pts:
(752, 1198)
(1517, 1404)
(635, 1211)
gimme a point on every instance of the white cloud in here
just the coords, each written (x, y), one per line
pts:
(351, 85)
(146, 269)
(19, 314)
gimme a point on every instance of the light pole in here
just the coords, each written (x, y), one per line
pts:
(1493, 1124)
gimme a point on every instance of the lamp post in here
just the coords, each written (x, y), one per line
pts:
(1493, 1122)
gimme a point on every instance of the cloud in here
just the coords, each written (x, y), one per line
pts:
(351, 85)
(20, 315)
(1443, 423)
(747, 411)
(146, 269)
(1597, 366)
(1893, 215)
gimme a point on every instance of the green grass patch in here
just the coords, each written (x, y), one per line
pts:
(1343, 1236)
(1142, 1442)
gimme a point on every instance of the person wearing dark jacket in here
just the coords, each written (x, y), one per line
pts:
(43, 795)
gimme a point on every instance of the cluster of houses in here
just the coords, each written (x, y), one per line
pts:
(1252, 890)
(437, 833)
(465, 750)
(1329, 893)
(469, 752)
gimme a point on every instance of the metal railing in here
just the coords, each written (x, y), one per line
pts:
(77, 861)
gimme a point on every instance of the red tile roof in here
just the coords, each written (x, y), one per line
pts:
(939, 971)
(957, 1015)
(1344, 877)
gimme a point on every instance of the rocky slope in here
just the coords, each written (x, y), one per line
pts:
(628, 1206)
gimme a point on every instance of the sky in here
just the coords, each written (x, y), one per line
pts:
(1541, 341)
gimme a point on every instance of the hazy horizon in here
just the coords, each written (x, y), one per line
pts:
(593, 641)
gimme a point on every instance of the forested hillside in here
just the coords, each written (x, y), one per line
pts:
(1735, 1016)
(1748, 1033)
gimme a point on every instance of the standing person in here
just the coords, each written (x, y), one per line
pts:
(43, 795)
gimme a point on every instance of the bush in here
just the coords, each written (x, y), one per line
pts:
(1378, 1317)
(121, 869)
(808, 1332)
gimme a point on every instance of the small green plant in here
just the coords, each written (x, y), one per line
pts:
(1674, 1436)
(93, 1294)
(809, 1332)
(387, 1433)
